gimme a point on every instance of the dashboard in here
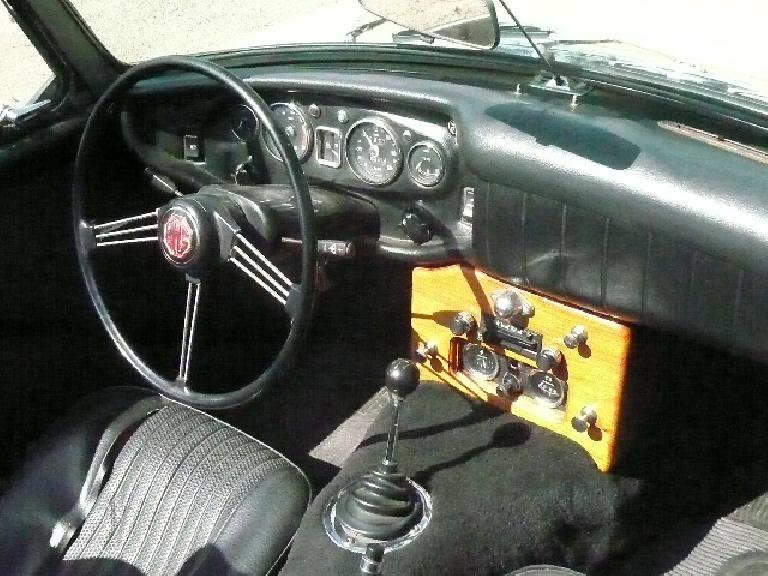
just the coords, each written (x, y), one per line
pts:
(402, 159)
(371, 150)
(612, 203)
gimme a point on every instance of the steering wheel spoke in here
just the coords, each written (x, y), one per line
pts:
(261, 270)
(130, 230)
(188, 333)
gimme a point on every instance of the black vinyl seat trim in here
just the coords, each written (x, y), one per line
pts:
(186, 494)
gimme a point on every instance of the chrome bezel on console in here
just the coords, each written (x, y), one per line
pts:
(436, 149)
(310, 132)
(559, 401)
(382, 124)
(488, 377)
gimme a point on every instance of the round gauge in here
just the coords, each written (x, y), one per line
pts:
(425, 164)
(373, 153)
(291, 121)
(480, 362)
(547, 389)
(244, 123)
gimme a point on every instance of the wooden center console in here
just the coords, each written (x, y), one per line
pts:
(522, 352)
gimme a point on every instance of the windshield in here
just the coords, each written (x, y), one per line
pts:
(717, 38)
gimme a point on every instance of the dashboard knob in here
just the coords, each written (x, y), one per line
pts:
(417, 226)
(463, 323)
(576, 337)
(585, 419)
(509, 304)
(427, 350)
(549, 358)
(510, 384)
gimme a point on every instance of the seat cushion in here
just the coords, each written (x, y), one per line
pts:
(189, 494)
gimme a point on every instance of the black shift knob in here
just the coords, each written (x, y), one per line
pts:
(402, 377)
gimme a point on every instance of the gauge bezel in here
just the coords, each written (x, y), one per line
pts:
(256, 131)
(305, 122)
(434, 146)
(384, 125)
(541, 400)
(476, 373)
(322, 161)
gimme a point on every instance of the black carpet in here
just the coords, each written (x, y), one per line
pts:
(506, 494)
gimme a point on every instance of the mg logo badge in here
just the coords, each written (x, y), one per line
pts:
(178, 237)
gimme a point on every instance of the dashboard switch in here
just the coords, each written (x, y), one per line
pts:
(192, 147)
(417, 226)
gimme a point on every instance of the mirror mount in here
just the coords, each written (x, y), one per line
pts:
(471, 23)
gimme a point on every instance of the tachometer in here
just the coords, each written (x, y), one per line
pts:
(373, 152)
(290, 119)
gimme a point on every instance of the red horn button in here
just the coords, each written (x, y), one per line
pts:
(178, 237)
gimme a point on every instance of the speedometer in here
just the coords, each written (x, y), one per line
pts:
(291, 121)
(373, 152)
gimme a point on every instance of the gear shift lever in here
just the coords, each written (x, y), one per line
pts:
(382, 506)
(401, 379)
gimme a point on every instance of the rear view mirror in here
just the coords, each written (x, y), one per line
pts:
(469, 22)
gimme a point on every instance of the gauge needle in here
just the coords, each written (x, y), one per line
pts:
(370, 141)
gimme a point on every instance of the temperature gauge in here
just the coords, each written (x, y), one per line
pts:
(425, 163)
(328, 146)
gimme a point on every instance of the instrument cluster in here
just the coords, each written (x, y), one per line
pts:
(355, 146)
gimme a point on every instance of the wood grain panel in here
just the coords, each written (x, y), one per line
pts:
(595, 373)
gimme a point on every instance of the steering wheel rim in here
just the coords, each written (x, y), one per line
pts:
(303, 302)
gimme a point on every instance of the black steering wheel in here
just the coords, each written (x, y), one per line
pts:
(197, 233)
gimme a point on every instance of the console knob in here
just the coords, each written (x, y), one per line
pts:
(549, 358)
(510, 384)
(585, 419)
(417, 226)
(509, 304)
(576, 337)
(402, 377)
(427, 350)
(463, 323)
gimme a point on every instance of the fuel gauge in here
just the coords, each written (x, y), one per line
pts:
(425, 163)
(328, 146)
